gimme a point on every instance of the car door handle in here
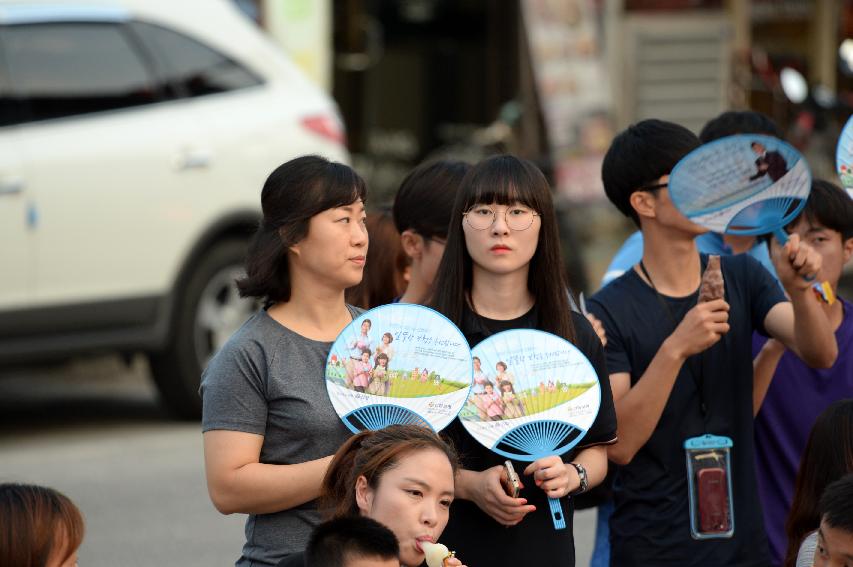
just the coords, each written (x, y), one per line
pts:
(192, 159)
(11, 186)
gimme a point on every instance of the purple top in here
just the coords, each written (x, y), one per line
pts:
(797, 395)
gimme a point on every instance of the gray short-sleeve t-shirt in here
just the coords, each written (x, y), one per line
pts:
(270, 381)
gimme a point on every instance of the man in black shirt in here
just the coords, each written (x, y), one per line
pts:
(679, 370)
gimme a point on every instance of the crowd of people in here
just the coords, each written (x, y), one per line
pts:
(767, 367)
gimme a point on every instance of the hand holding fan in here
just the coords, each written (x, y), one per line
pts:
(541, 397)
(748, 184)
(399, 364)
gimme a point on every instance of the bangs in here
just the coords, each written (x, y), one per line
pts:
(504, 180)
(341, 186)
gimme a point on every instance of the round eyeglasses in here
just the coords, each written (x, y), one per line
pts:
(516, 218)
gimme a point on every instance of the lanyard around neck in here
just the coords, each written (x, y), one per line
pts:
(696, 373)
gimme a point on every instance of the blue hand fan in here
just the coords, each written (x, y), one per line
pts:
(844, 157)
(534, 395)
(746, 184)
(399, 364)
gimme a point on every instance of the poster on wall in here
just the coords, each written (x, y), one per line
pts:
(569, 69)
(303, 29)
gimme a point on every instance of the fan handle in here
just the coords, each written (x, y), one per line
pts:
(557, 514)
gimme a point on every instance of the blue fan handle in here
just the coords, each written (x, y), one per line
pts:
(781, 236)
(557, 514)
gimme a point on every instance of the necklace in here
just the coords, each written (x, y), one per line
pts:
(696, 374)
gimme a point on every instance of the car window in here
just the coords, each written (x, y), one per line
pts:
(8, 103)
(65, 69)
(190, 67)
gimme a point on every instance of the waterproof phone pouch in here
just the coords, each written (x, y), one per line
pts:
(710, 486)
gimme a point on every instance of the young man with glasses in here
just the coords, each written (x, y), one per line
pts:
(679, 370)
(728, 123)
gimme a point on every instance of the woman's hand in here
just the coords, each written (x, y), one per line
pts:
(487, 492)
(553, 476)
(453, 562)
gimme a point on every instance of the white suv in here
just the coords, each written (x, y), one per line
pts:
(135, 136)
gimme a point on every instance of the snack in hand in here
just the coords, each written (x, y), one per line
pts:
(712, 286)
(436, 553)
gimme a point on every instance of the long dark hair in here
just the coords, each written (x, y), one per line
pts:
(506, 179)
(371, 454)
(828, 457)
(293, 193)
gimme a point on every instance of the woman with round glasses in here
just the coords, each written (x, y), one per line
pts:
(483, 217)
(502, 270)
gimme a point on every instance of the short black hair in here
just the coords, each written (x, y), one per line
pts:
(639, 156)
(336, 541)
(424, 201)
(831, 206)
(836, 504)
(738, 122)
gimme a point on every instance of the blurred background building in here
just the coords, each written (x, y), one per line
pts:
(136, 134)
(553, 80)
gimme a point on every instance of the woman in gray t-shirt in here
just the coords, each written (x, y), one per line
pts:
(269, 427)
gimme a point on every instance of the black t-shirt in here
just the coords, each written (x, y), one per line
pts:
(477, 538)
(650, 524)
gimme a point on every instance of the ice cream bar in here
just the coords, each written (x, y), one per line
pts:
(435, 553)
(712, 286)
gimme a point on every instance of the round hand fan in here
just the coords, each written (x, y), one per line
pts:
(844, 157)
(745, 184)
(534, 395)
(399, 364)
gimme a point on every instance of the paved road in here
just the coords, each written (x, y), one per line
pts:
(94, 431)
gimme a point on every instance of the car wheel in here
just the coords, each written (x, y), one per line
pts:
(208, 310)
